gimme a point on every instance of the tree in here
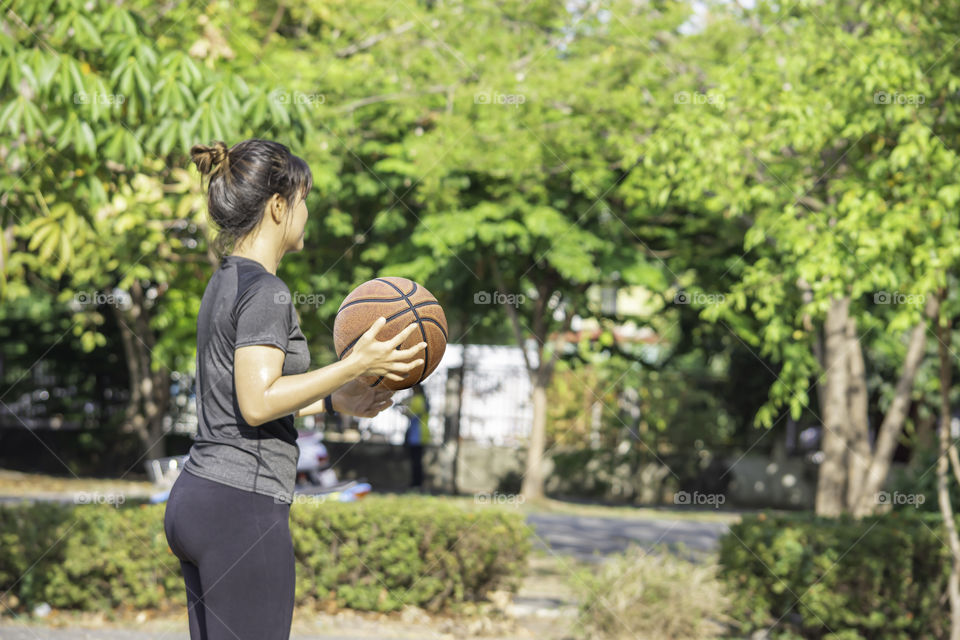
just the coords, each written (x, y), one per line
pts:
(485, 167)
(529, 204)
(99, 109)
(848, 190)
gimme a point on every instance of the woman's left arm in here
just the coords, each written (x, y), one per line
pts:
(356, 398)
(311, 410)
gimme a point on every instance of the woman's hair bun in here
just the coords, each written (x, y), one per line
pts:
(241, 180)
(210, 159)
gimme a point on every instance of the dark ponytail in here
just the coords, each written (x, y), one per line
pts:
(243, 178)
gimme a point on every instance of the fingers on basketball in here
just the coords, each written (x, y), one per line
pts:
(374, 330)
(412, 316)
(401, 337)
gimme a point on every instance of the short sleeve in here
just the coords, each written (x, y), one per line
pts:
(262, 313)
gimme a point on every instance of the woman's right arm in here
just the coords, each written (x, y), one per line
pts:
(264, 394)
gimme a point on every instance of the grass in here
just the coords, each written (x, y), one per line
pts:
(18, 483)
(627, 512)
(643, 595)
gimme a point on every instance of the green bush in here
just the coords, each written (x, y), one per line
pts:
(378, 554)
(641, 595)
(87, 557)
(384, 552)
(810, 577)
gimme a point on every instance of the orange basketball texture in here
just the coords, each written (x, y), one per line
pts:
(401, 302)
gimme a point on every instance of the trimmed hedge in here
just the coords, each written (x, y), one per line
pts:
(880, 577)
(378, 554)
(384, 552)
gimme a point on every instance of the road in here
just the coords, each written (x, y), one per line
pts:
(585, 537)
(24, 632)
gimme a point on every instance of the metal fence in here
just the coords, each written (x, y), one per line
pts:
(494, 398)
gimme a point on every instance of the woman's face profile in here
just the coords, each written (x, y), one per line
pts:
(298, 226)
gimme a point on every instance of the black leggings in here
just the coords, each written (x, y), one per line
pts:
(237, 559)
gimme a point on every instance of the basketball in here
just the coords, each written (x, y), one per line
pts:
(401, 302)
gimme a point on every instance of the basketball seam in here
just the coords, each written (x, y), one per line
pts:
(394, 317)
(416, 306)
(353, 302)
(349, 346)
(423, 334)
(439, 326)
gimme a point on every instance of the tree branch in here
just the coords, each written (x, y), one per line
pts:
(366, 43)
(356, 104)
(568, 318)
(892, 423)
(512, 314)
(274, 23)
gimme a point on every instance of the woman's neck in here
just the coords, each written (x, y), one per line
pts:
(263, 255)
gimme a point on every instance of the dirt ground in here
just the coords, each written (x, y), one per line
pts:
(17, 483)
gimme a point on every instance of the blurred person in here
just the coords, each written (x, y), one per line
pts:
(418, 434)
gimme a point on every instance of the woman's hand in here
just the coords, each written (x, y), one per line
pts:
(372, 357)
(357, 398)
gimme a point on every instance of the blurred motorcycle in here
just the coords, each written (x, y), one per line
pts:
(315, 475)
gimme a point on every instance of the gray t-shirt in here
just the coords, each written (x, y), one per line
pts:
(244, 304)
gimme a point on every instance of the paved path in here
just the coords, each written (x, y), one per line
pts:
(24, 632)
(13, 631)
(584, 536)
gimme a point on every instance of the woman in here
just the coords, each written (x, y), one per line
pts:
(227, 518)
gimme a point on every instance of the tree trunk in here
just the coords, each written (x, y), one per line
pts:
(892, 424)
(807, 296)
(943, 479)
(540, 375)
(149, 389)
(832, 478)
(818, 384)
(533, 477)
(858, 428)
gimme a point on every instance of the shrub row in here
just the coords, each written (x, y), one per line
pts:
(378, 554)
(839, 579)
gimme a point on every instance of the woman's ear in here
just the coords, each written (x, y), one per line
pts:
(276, 207)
